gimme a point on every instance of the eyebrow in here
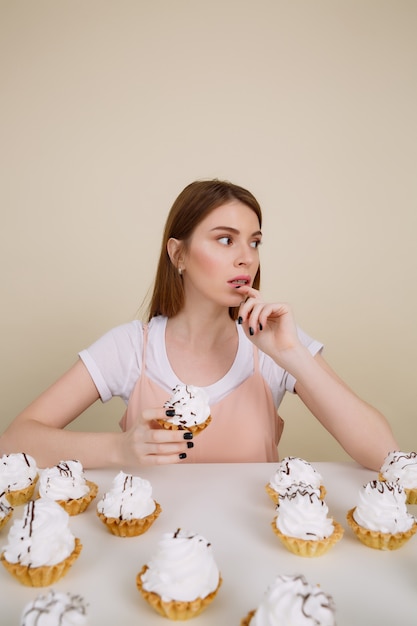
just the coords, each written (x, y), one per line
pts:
(235, 230)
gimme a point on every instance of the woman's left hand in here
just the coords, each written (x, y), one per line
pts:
(270, 326)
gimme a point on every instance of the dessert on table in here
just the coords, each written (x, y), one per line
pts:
(41, 547)
(303, 524)
(6, 510)
(381, 519)
(65, 483)
(182, 578)
(55, 608)
(190, 409)
(292, 601)
(128, 508)
(401, 467)
(18, 477)
(294, 471)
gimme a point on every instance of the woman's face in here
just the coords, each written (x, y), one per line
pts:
(222, 254)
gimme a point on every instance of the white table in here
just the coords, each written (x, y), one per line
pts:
(227, 503)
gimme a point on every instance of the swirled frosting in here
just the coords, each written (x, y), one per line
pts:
(55, 608)
(130, 497)
(401, 467)
(292, 601)
(183, 568)
(294, 471)
(63, 481)
(17, 471)
(302, 514)
(41, 537)
(190, 405)
(5, 507)
(382, 507)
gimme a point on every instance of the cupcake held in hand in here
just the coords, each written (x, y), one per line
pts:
(381, 519)
(41, 547)
(55, 609)
(18, 477)
(291, 600)
(401, 467)
(66, 484)
(187, 409)
(182, 578)
(128, 509)
(303, 524)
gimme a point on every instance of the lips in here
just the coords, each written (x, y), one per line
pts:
(239, 281)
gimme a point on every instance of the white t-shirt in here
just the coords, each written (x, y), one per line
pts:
(115, 361)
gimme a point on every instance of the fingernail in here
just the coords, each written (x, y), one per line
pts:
(190, 444)
(251, 332)
(182, 455)
(188, 435)
(260, 326)
(239, 319)
(170, 412)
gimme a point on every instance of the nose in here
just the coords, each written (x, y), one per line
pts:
(245, 256)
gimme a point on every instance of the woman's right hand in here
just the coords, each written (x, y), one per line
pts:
(147, 443)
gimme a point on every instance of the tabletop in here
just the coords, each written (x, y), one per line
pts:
(228, 505)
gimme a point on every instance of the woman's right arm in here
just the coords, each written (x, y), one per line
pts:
(39, 430)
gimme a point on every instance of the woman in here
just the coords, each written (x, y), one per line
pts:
(208, 326)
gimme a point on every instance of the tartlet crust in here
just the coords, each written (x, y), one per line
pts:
(195, 429)
(309, 547)
(377, 540)
(132, 527)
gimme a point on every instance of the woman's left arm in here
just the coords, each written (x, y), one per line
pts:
(360, 429)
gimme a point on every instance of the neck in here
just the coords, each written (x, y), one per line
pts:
(204, 327)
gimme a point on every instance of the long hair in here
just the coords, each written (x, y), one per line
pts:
(193, 204)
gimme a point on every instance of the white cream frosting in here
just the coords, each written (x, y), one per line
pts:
(55, 608)
(183, 568)
(292, 470)
(302, 514)
(292, 601)
(382, 507)
(401, 467)
(129, 498)
(41, 537)
(65, 481)
(5, 507)
(191, 405)
(17, 471)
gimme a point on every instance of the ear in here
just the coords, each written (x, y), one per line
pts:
(174, 249)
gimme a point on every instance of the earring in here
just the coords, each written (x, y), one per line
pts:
(180, 271)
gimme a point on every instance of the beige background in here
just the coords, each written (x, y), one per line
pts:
(109, 108)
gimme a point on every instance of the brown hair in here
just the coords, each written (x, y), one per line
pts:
(193, 204)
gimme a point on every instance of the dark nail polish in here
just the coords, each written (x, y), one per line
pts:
(182, 455)
(190, 444)
(170, 412)
(260, 326)
(239, 320)
(251, 332)
(188, 435)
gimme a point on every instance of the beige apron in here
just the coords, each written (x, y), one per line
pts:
(245, 425)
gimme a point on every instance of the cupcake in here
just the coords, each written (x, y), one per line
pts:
(66, 484)
(41, 547)
(190, 409)
(401, 467)
(182, 579)
(294, 471)
(55, 608)
(18, 476)
(381, 519)
(128, 509)
(303, 525)
(6, 510)
(292, 600)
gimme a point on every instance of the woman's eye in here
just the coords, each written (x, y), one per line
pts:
(256, 243)
(226, 241)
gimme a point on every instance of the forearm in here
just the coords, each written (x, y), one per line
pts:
(361, 429)
(49, 445)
